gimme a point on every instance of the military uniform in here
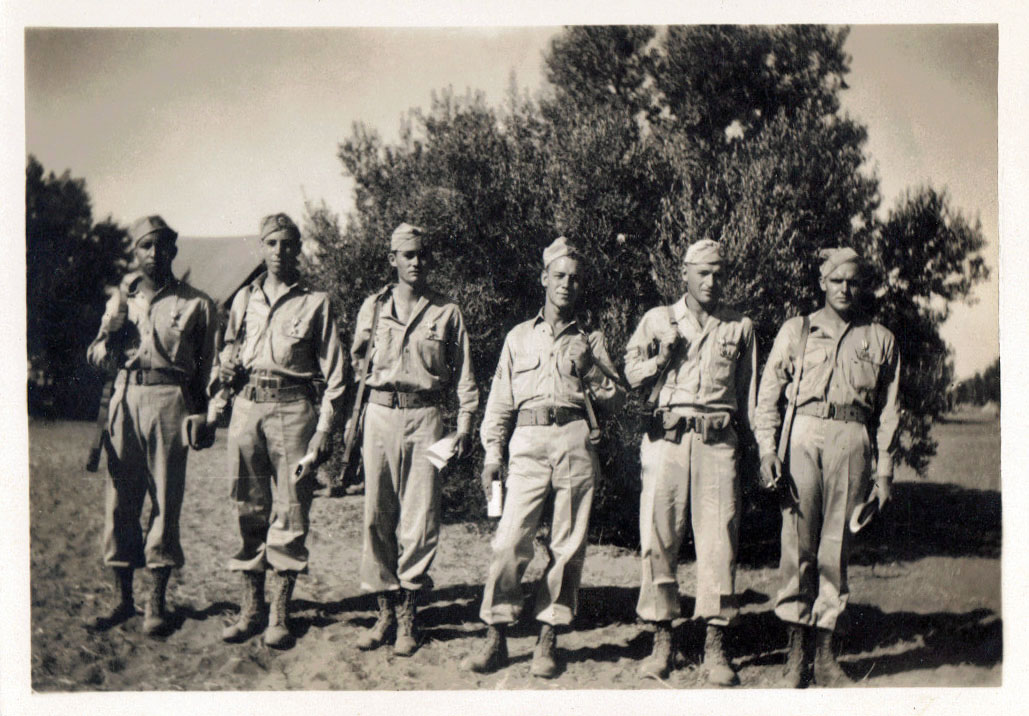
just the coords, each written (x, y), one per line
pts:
(284, 347)
(848, 385)
(848, 392)
(414, 364)
(536, 414)
(161, 354)
(712, 383)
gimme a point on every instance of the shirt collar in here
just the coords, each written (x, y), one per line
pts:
(539, 318)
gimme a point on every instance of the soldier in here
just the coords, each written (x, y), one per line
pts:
(419, 353)
(539, 400)
(280, 337)
(849, 374)
(699, 359)
(158, 335)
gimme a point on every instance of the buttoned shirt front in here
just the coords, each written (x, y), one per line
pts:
(531, 374)
(713, 369)
(174, 331)
(855, 363)
(295, 337)
(428, 352)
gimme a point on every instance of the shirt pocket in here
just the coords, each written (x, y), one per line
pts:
(724, 353)
(291, 342)
(865, 368)
(173, 330)
(523, 376)
(430, 346)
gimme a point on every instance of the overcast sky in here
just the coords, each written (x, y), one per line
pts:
(215, 128)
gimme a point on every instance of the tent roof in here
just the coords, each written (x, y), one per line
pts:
(218, 266)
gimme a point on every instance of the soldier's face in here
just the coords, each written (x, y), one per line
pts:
(562, 280)
(841, 288)
(153, 254)
(281, 252)
(412, 265)
(704, 282)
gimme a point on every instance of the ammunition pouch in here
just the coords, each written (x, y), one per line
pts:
(665, 425)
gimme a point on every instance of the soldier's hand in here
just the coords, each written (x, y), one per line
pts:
(580, 359)
(490, 472)
(319, 446)
(228, 372)
(199, 432)
(883, 489)
(113, 320)
(464, 445)
(664, 354)
(771, 471)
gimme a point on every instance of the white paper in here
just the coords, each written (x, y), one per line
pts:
(441, 452)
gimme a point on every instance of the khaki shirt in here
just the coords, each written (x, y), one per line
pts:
(529, 376)
(716, 370)
(858, 366)
(175, 331)
(428, 352)
(294, 337)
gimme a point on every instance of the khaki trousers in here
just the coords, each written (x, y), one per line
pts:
(147, 455)
(266, 441)
(401, 497)
(544, 459)
(704, 477)
(829, 462)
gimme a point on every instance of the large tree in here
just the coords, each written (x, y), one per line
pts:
(69, 260)
(642, 143)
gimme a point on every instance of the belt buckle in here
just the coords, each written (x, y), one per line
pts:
(394, 400)
(831, 411)
(139, 380)
(552, 415)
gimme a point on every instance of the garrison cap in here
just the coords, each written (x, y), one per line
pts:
(705, 251)
(150, 225)
(833, 258)
(279, 222)
(406, 237)
(560, 248)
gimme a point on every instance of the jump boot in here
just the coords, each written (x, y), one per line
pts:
(252, 610)
(827, 671)
(717, 666)
(155, 619)
(407, 624)
(494, 652)
(544, 661)
(793, 671)
(377, 635)
(126, 607)
(277, 634)
(659, 664)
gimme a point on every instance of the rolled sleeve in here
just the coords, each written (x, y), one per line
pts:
(609, 393)
(639, 366)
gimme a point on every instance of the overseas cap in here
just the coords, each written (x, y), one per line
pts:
(150, 225)
(704, 251)
(279, 222)
(406, 237)
(832, 259)
(559, 248)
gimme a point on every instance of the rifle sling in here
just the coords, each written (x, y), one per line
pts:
(791, 407)
(366, 362)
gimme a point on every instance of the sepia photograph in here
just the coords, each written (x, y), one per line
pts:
(465, 358)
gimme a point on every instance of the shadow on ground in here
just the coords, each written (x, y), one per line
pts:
(923, 519)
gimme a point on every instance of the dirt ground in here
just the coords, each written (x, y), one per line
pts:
(924, 608)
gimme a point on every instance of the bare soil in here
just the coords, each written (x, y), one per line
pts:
(924, 607)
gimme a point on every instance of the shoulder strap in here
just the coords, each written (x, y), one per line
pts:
(800, 348)
(366, 361)
(659, 382)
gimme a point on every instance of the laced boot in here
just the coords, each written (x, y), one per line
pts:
(155, 619)
(827, 670)
(277, 634)
(794, 668)
(544, 662)
(126, 607)
(377, 635)
(494, 652)
(717, 666)
(659, 664)
(252, 609)
(407, 624)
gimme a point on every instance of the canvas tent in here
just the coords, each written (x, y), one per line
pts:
(218, 266)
